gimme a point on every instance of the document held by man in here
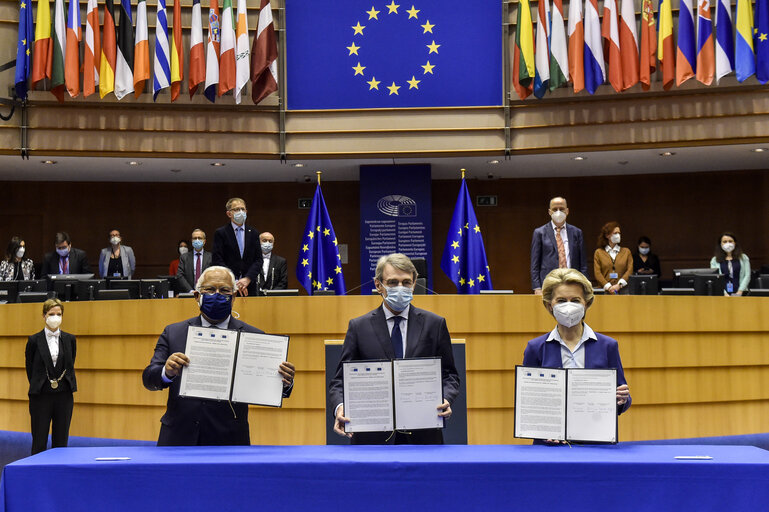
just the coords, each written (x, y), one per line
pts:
(418, 392)
(212, 357)
(257, 380)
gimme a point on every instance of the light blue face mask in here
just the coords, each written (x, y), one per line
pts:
(239, 217)
(398, 297)
(198, 244)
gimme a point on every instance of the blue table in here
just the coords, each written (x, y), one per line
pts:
(389, 478)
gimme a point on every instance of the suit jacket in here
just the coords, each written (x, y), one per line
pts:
(186, 271)
(277, 274)
(78, 263)
(192, 421)
(544, 252)
(126, 258)
(227, 254)
(38, 359)
(603, 266)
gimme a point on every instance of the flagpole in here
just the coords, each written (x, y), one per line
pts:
(318, 173)
(463, 173)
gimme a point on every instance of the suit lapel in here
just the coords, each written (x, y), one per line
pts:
(416, 322)
(234, 241)
(551, 236)
(45, 352)
(379, 326)
(552, 358)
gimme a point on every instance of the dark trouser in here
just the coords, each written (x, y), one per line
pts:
(424, 436)
(48, 408)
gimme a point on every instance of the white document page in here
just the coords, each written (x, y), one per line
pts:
(591, 413)
(418, 393)
(212, 354)
(257, 380)
(540, 408)
(368, 396)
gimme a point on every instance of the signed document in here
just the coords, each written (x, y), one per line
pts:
(256, 379)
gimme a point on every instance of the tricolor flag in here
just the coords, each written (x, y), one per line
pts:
(161, 76)
(177, 58)
(706, 63)
(21, 79)
(141, 49)
(523, 52)
(212, 51)
(648, 45)
(264, 56)
(686, 56)
(542, 55)
(576, 45)
(124, 63)
(666, 53)
(197, 51)
(559, 55)
(59, 50)
(595, 73)
(92, 54)
(744, 56)
(242, 52)
(724, 39)
(108, 51)
(610, 32)
(628, 44)
(43, 50)
(72, 57)
(761, 40)
(227, 49)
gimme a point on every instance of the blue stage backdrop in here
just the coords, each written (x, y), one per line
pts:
(395, 216)
(372, 54)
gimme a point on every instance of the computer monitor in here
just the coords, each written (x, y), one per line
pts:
(88, 289)
(421, 265)
(64, 292)
(9, 291)
(291, 292)
(37, 285)
(759, 292)
(123, 294)
(25, 297)
(64, 289)
(173, 283)
(712, 284)
(684, 277)
(154, 288)
(643, 285)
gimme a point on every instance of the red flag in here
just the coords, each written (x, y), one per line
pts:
(610, 33)
(648, 44)
(264, 56)
(177, 59)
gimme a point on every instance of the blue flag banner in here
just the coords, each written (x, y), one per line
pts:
(319, 265)
(23, 48)
(464, 258)
(761, 40)
(372, 54)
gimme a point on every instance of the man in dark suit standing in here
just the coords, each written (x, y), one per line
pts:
(391, 331)
(556, 245)
(236, 246)
(274, 275)
(192, 264)
(66, 259)
(192, 421)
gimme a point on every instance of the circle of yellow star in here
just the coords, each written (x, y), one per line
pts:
(428, 27)
(372, 14)
(455, 258)
(413, 12)
(455, 244)
(353, 49)
(359, 69)
(393, 89)
(358, 28)
(413, 83)
(373, 83)
(428, 68)
(393, 8)
(326, 232)
(433, 47)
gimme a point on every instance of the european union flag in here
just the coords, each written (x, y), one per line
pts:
(464, 258)
(320, 267)
(372, 54)
(23, 49)
(761, 40)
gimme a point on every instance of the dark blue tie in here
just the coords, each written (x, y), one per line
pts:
(397, 338)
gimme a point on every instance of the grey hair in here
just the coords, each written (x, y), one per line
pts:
(398, 261)
(214, 269)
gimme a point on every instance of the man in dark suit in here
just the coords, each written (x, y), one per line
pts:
(236, 246)
(192, 264)
(417, 333)
(274, 275)
(191, 421)
(66, 259)
(556, 245)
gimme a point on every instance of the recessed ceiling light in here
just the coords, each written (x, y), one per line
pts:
(134, 162)
(176, 170)
(758, 150)
(667, 153)
(48, 162)
(218, 164)
(298, 165)
(493, 162)
(579, 158)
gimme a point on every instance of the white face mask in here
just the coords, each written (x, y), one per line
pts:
(53, 322)
(20, 252)
(183, 251)
(114, 240)
(728, 247)
(644, 250)
(569, 314)
(558, 216)
(615, 238)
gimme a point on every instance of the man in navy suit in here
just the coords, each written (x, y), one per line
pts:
(419, 334)
(191, 421)
(549, 253)
(66, 259)
(236, 246)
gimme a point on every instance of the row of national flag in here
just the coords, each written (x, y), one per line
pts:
(116, 56)
(605, 46)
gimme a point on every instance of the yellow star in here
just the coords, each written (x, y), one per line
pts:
(455, 245)
(358, 28)
(428, 68)
(353, 49)
(338, 269)
(313, 283)
(372, 14)
(462, 281)
(393, 89)
(428, 27)
(459, 232)
(413, 12)
(433, 47)
(467, 225)
(393, 7)
(329, 281)
(23, 5)
(27, 51)
(373, 83)
(413, 83)
(309, 274)
(335, 242)
(317, 228)
(305, 262)
(305, 248)
(762, 37)
(318, 285)
(481, 278)
(24, 42)
(455, 258)
(471, 283)
(359, 69)
(326, 232)
(311, 235)
(477, 228)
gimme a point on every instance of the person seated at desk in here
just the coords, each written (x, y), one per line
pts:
(192, 264)
(15, 267)
(117, 260)
(66, 259)
(183, 247)
(274, 274)
(567, 295)
(612, 264)
(646, 262)
(730, 261)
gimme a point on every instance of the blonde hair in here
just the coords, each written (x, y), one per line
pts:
(561, 276)
(232, 200)
(50, 304)
(398, 261)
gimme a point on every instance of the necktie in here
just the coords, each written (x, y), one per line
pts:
(561, 248)
(239, 232)
(197, 266)
(397, 338)
(65, 265)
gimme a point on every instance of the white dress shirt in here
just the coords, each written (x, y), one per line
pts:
(266, 263)
(53, 343)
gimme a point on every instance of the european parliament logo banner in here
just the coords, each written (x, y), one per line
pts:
(373, 54)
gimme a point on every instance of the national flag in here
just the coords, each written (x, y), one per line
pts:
(197, 52)
(212, 51)
(595, 72)
(648, 45)
(706, 62)
(464, 257)
(92, 54)
(559, 55)
(43, 50)
(628, 44)
(666, 53)
(610, 33)
(319, 264)
(523, 52)
(576, 45)
(686, 56)
(161, 75)
(264, 56)
(761, 40)
(177, 58)
(72, 57)
(227, 50)
(542, 55)
(744, 56)
(141, 49)
(108, 51)
(724, 39)
(124, 63)
(242, 52)
(58, 80)
(21, 79)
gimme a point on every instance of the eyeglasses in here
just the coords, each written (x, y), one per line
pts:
(210, 290)
(394, 282)
(239, 209)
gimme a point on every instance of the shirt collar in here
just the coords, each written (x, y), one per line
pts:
(50, 334)
(267, 256)
(224, 324)
(199, 252)
(587, 334)
(389, 314)
(615, 250)
(552, 225)
(235, 227)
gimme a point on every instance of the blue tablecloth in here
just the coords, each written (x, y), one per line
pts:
(389, 478)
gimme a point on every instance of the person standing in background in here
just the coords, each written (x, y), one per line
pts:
(646, 262)
(66, 259)
(236, 246)
(193, 263)
(183, 247)
(733, 263)
(15, 267)
(612, 264)
(117, 260)
(274, 275)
